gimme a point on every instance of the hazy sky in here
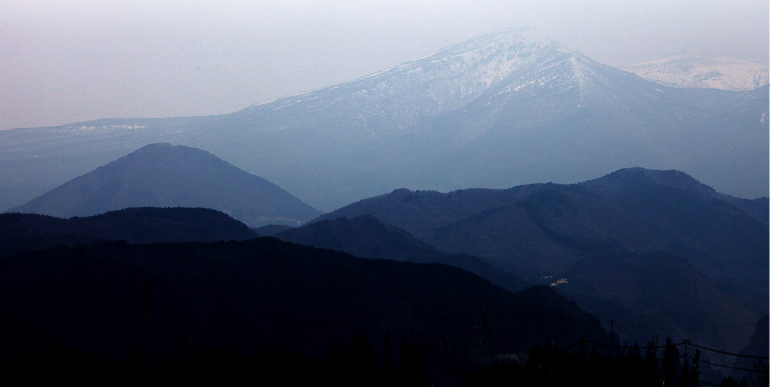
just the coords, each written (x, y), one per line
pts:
(68, 61)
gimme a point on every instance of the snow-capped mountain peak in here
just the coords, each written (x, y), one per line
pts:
(446, 80)
(693, 69)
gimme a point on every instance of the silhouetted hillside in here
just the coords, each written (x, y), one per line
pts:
(627, 246)
(617, 182)
(368, 237)
(262, 290)
(661, 293)
(24, 232)
(540, 229)
(748, 367)
(722, 240)
(162, 175)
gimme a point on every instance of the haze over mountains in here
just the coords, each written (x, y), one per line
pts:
(631, 247)
(677, 247)
(503, 109)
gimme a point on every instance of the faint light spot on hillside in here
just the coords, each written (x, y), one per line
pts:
(560, 281)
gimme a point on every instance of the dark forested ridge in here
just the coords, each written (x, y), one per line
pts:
(238, 294)
(20, 232)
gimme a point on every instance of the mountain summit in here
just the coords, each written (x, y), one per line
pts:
(163, 175)
(393, 100)
(502, 109)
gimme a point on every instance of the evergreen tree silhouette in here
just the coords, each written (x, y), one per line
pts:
(388, 371)
(411, 367)
(672, 366)
(362, 362)
(652, 371)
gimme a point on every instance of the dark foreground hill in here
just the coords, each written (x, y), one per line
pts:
(21, 232)
(368, 237)
(665, 295)
(749, 363)
(162, 175)
(236, 294)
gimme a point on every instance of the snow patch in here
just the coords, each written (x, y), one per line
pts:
(692, 69)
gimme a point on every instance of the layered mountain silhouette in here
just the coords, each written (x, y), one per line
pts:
(20, 232)
(162, 175)
(502, 109)
(238, 294)
(368, 237)
(541, 229)
(636, 246)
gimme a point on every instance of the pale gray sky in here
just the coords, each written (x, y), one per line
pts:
(63, 61)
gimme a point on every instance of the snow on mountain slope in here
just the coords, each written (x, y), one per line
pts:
(394, 99)
(693, 69)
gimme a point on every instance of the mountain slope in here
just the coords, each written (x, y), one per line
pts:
(693, 69)
(724, 241)
(162, 175)
(655, 250)
(757, 347)
(541, 229)
(368, 237)
(661, 293)
(502, 109)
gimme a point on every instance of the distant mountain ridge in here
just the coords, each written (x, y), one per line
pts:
(545, 228)
(162, 175)
(502, 109)
(633, 246)
(694, 69)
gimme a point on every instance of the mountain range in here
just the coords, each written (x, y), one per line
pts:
(500, 110)
(645, 251)
(632, 247)
(641, 252)
(629, 211)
